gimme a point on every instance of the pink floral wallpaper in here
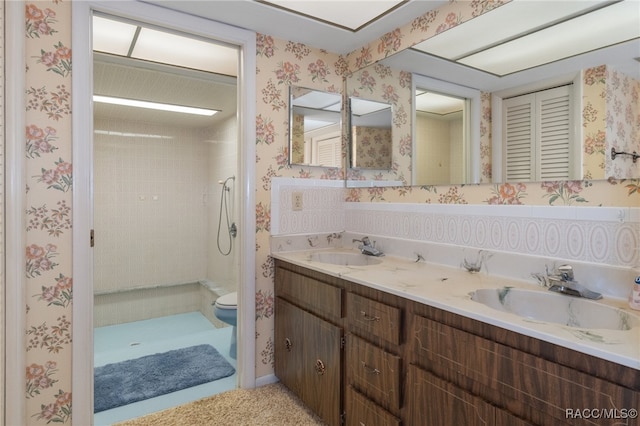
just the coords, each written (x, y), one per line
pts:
(373, 147)
(49, 289)
(49, 285)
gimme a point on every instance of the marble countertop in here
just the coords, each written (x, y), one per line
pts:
(449, 289)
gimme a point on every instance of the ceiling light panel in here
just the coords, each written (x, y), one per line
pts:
(351, 14)
(506, 22)
(607, 26)
(173, 49)
(153, 105)
(112, 36)
(438, 104)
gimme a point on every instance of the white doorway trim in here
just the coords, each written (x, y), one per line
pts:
(82, 370)
(15, 240)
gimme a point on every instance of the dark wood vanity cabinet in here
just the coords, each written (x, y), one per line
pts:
(406, 363)
(308, 340)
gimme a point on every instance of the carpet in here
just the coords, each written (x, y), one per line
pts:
(272, 405)
(142, 378)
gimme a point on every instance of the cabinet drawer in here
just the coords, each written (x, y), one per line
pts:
(318, 297)
(361, 411)
(521, 380)
(368, 316)
(374, 372)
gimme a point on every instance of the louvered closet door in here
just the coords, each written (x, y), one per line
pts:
(329, 150)
(537, 135)
(519, 138)
(553, 133)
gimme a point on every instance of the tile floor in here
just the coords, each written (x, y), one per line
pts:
(132, 340)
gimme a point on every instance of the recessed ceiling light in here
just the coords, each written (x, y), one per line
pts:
(154, 105)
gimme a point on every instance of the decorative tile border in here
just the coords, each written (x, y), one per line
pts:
(602, 235)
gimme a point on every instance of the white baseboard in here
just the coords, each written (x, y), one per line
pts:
(266, 380)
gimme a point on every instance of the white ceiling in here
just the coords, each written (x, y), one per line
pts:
(276, 20)
(273, 20)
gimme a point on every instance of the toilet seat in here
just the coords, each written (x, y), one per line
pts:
(228, 301)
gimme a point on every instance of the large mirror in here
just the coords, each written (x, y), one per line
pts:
(315, 131)
(371, 141)
(446, 133)
(603, 85)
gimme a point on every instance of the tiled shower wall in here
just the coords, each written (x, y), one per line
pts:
(156, 214)
(149, 208)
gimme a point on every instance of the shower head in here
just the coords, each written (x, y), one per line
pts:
(224, 182)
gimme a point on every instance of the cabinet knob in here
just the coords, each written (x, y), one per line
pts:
(288, 344)
(368, 317)
(319, 367)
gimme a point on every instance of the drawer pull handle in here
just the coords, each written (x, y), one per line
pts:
(368, 317)
(369, 369)
(288, 344)
(319, 367)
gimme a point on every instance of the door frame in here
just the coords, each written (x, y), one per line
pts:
(82, 124)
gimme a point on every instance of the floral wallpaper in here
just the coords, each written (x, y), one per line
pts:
(610, 119)
(622, 120)
(279, 64)
(49, 283)
(373, 147)
(387, 85)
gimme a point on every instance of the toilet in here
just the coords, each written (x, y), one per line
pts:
(226, 310)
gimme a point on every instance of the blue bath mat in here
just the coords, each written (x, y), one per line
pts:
(142, 378)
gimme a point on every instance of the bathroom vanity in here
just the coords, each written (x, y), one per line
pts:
(364, 345)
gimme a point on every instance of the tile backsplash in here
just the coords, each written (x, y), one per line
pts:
(609, 236)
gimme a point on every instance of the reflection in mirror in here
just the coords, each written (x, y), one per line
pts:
(371, 134)
(443, 137)
(315, 133)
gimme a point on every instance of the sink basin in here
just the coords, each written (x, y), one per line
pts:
(345, 259)
(556, 308)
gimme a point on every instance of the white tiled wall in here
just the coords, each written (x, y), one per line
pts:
(603, 241)
(323, 206)
(157, 205)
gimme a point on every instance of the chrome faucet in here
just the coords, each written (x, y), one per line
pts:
(367, 247)
(562, 281)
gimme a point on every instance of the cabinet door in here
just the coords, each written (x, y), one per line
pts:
(361, 411)
(321, 375)
(288, 345)
(434, 402)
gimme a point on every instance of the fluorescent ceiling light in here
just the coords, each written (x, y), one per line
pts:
(351, 14)
(130, 135)
(605, 27)
(506, 22)
(319, 100)
(153, 105)
(112, 36)
(167, 48)
(437, 104)
(134, 41)
(363, 106)
(310, 124)
(525, 34)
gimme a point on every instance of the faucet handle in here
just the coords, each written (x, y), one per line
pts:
(566, 272)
